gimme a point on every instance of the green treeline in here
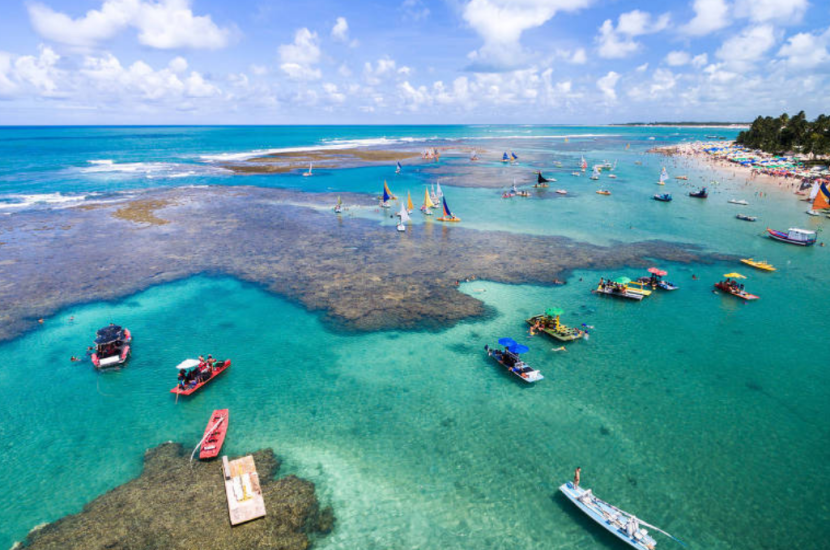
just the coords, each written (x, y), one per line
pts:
(784, 134)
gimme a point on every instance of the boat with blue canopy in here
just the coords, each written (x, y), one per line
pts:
(510, 360)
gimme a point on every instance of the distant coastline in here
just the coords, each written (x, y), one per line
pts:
(735, 125)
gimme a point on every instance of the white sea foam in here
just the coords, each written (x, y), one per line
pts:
(149, 170)
(40, 199)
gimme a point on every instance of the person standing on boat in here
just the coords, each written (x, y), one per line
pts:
(576, 477)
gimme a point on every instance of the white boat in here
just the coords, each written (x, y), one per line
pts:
(404, 215)
(742, 202)
(511, 361)
(621, 524)
(612, 176)
(438, 193)
(595, 174)
(577, 174)
(663, 177)
(310, 166)
(561, 191)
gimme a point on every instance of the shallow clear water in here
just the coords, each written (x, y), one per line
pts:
(699, 413)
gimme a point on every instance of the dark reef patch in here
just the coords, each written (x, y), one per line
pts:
(364, 277)
(173, 506)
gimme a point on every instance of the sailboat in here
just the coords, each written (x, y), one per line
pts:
(388, 192)
(515, 158)
(541, 181)
(384, 203)
(821, 201)
(663, 177)
(310, 166)
(584, 164)
(448, 216)
(338, 208)
(409, 205)
(433, 195)
(474, 156)
(398, 169)
(428, 205)
(505, 158)
(438, 193)
(404, 218)
(595, 175)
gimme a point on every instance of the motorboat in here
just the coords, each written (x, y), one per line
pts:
(663, 197)
(800, 237)
(510, 360)
(112, 347)
(194, 374)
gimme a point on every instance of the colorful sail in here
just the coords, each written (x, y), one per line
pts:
(409, 205)
(387, 192)
(447, 213)
(814, 191)
(822, 199)
(427, 202)
(386, 196)
(514, 155)
(339, 202)
(504, 157)
(584, 164)
(398, 169)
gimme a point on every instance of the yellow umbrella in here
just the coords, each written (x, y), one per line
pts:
(734, 276)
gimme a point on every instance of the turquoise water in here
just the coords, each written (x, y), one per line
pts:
(701, 414)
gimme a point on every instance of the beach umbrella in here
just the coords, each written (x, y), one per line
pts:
(554, 312)
(518, 349)
(734, 276)
(622, 280)
(507, 342)
(657, 271)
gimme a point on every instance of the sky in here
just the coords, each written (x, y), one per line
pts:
(410, 61)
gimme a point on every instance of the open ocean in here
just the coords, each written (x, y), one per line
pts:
(701, 414)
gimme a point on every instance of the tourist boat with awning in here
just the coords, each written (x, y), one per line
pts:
(548, 323)
(112, 347)
(800, 237)
(509, 359)
(618, 288)
(193, 375)
(702, 194)
(731, 286)
(621, 524)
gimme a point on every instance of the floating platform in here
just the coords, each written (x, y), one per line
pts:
(245, 502)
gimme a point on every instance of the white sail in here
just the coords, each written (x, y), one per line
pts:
(814, 191)
(438, 192)
(403, 214)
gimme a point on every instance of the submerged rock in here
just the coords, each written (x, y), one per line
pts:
(174, 505)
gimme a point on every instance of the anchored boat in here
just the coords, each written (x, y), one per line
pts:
(215, 432)
(746, 218)
(112, 347)
(800, 237)
(193, 375)
(448, 216)
(762, 265)
(702, 194)
(548, 323)
(663, 197)
(509, 359)
(623, 525)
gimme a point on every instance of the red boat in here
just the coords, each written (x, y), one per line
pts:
(215, 432)
(194, 379)
(734, 291)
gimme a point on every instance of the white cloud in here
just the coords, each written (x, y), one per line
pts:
(413, 97)
(415, 10)
(383, 68)
(340, 30)
(344, 71)
(806, 50)
(579, 57)
(259, 70)
(166, 24)
(642, 68)
(710, 16)
(678, 58)
(40, 73)
(333, 93)
(615, 43)
(699, 61)
(607, 85)
(299, 57)
(500, 23)
(178, 64)
(742, 50)
(778, 12)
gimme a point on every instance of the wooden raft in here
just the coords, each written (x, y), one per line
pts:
(242, 488)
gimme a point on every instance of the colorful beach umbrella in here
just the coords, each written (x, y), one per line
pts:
(554, 312)
(657, 271)
(734, 276)
(622, 280)
(518, 349)
(507, 342)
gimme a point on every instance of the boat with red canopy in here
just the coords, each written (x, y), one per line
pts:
(193, 374)
(215, 432)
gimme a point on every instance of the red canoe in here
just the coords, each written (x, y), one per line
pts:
(191, 388)
(215, 432)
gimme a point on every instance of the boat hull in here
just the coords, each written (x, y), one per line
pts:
(214, 436)
(602, 515)
(736, 294)
(780, 236)
(450, 220)
(190, 390)
(627, 295)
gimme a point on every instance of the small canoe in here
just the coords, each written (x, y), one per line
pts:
(214, 436)
(192, 388)
(603, 192)
(762, 265)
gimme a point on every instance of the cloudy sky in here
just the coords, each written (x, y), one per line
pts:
(410, 61)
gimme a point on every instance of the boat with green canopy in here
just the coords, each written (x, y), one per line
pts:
(548, 323)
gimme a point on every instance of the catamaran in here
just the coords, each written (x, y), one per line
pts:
(623, 525)
(404, 218)
(505, 158)
(428, 205)
(542, 181)
(448, 216)
(384, 202)
(514, 157)
(595, 174)
(310, 166)
(398, 169)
